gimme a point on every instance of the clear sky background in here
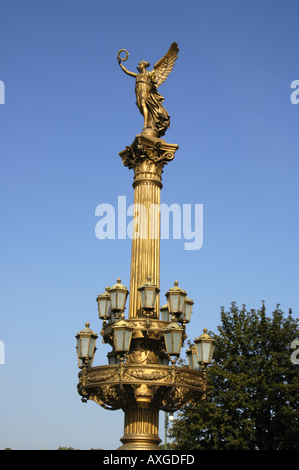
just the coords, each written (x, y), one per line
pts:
(69, 110)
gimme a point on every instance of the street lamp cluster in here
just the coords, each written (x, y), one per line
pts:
(177, 313)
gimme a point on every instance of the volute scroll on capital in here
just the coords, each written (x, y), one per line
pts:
(147, 156)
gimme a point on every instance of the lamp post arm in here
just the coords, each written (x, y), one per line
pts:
(166, 428)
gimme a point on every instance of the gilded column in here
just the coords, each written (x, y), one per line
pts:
(147, 156)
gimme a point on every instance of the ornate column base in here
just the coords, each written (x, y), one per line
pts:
(141, 390)
(141, 429)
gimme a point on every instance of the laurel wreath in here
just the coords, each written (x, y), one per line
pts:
(125, 58)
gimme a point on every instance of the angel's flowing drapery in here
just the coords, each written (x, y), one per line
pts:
(146, 90)
(158, 117)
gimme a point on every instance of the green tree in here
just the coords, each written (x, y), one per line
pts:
(252, 399)
(65, 448)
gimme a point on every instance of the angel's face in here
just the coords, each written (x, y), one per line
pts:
(141, 66)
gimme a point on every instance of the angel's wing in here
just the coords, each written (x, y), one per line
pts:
(165, 65)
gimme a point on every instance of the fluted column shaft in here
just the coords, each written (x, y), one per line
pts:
(147, 156)
(145, 260)
(141, 429)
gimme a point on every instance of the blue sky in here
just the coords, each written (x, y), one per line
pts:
(68, 111)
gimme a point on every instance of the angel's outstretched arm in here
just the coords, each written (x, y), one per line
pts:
(132, 74)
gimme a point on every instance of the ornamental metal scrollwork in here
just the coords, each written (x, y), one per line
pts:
(148, 154)
(139, 151)
(116, 387)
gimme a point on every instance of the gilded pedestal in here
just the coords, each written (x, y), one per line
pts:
(141, 390)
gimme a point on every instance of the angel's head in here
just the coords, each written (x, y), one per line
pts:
(143, 65)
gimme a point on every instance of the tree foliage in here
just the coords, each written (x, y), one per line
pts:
(252, 399)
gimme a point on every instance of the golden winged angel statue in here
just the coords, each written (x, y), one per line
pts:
(149, 101)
